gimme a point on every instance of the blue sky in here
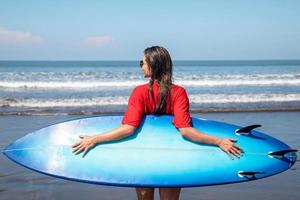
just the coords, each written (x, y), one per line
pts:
(120, 30)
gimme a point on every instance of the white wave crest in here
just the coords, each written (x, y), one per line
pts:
(122, 100)
(125, 83)
(244, 98)
(119, 100)
(69, 84)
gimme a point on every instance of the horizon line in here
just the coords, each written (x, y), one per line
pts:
(204, 60)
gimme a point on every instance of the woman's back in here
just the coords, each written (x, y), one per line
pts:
(141, 102)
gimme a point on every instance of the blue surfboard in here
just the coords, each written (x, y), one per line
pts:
(156, 155)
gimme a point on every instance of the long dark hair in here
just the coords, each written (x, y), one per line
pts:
(160, 63)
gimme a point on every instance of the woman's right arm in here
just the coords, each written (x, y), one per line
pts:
(130, 121)
(119, 133)
(89, 142)
(226, 144)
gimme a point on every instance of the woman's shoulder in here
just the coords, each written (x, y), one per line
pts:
(139, 89)
(179, 91)
(177, 88)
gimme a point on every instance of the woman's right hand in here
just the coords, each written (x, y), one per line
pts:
(84, 145)
(230, 148)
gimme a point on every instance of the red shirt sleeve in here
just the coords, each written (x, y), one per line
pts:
(182, 117)
(135, 109)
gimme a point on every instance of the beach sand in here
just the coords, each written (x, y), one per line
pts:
(17, 182)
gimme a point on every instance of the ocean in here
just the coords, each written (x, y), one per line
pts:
(32, 92)
(96, 87)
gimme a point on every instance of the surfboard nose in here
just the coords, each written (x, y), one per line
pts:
(14, 150)
(7, 149)
(9, 153)
(3, 151)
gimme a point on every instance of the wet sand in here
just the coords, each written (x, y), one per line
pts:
(17, 182)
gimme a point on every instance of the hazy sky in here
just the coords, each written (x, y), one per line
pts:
(120, 30)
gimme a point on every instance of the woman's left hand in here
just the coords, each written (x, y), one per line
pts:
(85, 144)
(230, 148)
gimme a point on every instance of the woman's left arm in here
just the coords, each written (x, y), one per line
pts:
(89, 142)
(226, 144)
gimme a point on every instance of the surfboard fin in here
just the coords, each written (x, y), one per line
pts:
(249, 174)
(285, 155)
(247, 130)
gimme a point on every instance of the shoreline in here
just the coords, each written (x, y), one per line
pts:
(85, 113)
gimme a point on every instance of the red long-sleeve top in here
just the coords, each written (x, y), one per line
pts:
(141, 103)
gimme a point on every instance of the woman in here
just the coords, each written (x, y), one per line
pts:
(159, 96)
